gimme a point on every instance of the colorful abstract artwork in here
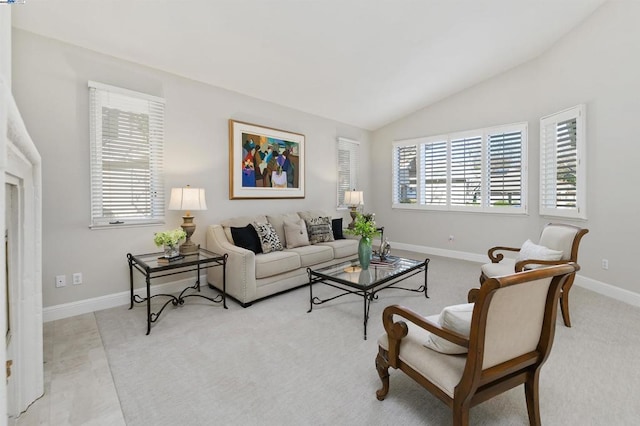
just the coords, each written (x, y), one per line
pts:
(265, 162)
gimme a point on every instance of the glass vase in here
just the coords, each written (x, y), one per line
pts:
(171, 251)
(364, 252)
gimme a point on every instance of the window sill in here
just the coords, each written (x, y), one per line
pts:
(125, 225)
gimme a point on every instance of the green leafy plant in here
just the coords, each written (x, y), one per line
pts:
(169, 238)
(365, 226)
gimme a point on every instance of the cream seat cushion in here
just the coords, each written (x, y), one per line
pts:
(445, 371)
(505, 267)
(313, 254)
(342, 248)
(276, 262)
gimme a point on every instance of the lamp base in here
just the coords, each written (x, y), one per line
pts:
(188, 248)
(353, 213)
(189, 227)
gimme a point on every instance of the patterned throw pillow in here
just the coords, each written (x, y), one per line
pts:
(268, 237)
(319, 229)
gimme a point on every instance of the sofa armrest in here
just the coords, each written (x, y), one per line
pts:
(241, 266)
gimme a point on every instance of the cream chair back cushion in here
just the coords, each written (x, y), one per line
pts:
(558, 238)
(514, 321)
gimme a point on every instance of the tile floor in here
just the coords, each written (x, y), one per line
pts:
(78, 387)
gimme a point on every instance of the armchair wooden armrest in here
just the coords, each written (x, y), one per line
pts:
(522, 265)
(496, 258)
(396, 331)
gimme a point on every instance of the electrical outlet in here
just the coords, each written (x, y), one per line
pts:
(77, 278)
(61, 280)
(605, 264)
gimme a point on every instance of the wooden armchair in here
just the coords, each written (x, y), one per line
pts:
(511, 334)
(554, 236)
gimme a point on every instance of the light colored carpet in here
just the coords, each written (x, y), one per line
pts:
(275, 364)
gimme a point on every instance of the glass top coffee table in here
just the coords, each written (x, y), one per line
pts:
(351, 279)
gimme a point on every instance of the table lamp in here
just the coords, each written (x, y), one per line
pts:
(353, 199)
(188, 199)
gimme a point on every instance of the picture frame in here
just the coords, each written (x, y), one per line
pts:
(265, 162)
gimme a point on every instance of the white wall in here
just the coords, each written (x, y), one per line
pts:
(597, 64)
(5, 74)
(50, 86)
(5, 44)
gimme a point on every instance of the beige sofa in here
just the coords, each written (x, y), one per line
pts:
(252, 276)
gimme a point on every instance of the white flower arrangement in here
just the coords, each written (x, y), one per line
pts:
(169, 238)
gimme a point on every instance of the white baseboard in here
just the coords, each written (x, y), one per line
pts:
(86, 306)
(454, 254)
(608, 290)
(599, 287)
(66, 310)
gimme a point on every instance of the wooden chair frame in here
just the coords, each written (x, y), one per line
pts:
(496, 257)
(478, 385)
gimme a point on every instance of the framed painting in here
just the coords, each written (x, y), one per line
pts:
(265, 162)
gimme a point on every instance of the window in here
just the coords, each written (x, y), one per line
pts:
(466, 171)
(347, 168)
(435, 173)
(126, 133)
(480, 170)
(562, 164)
(404, 187)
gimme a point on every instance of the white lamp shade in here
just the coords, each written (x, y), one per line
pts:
(187, 199)
(353, 198)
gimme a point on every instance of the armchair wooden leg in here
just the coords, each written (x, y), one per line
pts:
(531, 393)
(564, 302)
(460, 414)
(382, 366)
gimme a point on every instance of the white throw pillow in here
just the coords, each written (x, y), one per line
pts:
(295, 233)
(530, 250)
(455, 318)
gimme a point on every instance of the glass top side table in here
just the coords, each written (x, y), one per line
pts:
(148, 264)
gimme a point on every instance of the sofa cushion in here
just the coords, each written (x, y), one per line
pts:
(309, 214)
(276, 262)
(342, 248)
(239, 222)
(247, 238)
(296, 233)
(319, 229)
(268, 237)
(313, 255)
(336, 227)
(277, 220)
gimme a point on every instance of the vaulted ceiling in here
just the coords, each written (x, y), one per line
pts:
(360, 62)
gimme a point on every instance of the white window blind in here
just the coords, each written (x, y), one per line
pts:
(348, 167)
(127, 135)
(434, 190)
(466, 171)
(405, 174)
(480, 170)
(562, 164)
(506, 166)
